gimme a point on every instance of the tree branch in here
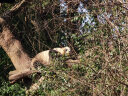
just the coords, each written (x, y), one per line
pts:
(113, 25)
(19, 75)
(16, 8)
(13, 47)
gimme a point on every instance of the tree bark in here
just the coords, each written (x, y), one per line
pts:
(14, 50)
(13, 47)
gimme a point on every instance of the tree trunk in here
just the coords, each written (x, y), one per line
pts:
(14, 50)
(13, 47)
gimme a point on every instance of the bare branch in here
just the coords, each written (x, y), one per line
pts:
(14, 9)
(2, 21)
(113, 25)
(13, 78)
(35, 86)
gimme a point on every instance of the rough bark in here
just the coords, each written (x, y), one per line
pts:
(14, 50)
(13, 47)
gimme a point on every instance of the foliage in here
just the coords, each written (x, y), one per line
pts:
(6, 89)
(11, 90)
(46, 24)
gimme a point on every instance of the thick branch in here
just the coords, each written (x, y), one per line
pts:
(2, 21)
(14, 9)
(35, 86)
(20, 74)
(14, 50)
(13, 47)
(71, 62)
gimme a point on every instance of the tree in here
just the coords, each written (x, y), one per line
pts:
(13, 47)
(96, 30)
